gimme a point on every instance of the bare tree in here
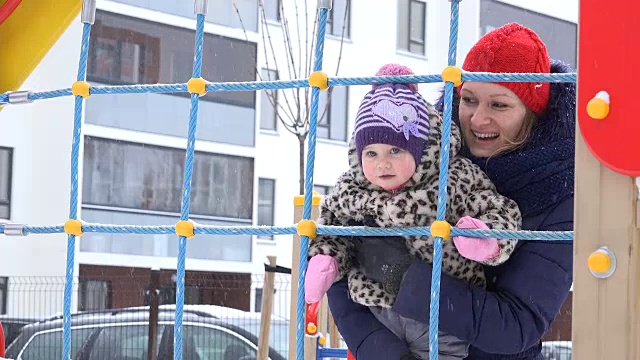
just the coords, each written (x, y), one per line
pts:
(293, 106)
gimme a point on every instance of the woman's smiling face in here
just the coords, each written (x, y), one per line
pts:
(491, 117)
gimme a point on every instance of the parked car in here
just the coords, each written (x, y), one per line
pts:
(11, 326)
(557, 350)
(209, 332)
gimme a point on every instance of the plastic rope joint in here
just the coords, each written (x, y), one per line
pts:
(307, 228)
(442, 229)
(185, 228)
(73, 227)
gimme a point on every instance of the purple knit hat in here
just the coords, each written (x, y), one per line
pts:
(393, 114)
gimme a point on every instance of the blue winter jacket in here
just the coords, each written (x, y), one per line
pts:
(508, 318)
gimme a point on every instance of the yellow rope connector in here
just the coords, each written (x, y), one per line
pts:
(185, 228)
(73, 227)
(322, 340)
(441, 229)
(307, 228)
(81, 88)
(319, 79)
(598, 107)
(452, 74)
(197, 86)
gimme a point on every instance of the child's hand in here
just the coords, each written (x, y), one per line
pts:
(321, 274)
(477, 249)
(384, 259)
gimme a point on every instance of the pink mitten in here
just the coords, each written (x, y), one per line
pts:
(478, 249)
(321, 273)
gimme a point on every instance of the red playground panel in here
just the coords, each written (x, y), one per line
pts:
(608, 64)
(2, 344)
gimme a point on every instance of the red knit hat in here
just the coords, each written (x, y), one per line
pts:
(513, 48)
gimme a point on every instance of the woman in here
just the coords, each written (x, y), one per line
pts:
(522, 135)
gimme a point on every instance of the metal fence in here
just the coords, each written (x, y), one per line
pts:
(129, 314)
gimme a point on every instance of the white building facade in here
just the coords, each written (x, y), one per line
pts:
(246, 168)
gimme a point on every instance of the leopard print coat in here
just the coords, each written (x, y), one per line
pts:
(470, 193)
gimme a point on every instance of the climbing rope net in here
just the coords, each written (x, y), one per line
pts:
(307, 228)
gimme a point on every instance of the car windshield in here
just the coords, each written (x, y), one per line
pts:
(279, 334)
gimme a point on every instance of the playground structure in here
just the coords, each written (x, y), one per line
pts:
(26, 46)
(606, 267)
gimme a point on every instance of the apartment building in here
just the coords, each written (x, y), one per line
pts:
(247, 162)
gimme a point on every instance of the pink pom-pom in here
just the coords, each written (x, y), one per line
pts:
(393, 70)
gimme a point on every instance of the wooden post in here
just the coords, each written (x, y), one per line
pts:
(323, 317)
(334, 335)
(605, 310)
(310, 347)
(266, 310)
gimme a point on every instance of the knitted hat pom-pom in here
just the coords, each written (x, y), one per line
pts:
(396, 70)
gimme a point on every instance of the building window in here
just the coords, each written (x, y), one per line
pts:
(268, 102)
(266, 200)
(139, 176)
(559, 36)
(119, 57)
(487, 29)
(322, 189)
(210, 247)
(193, 294)
(332, 116)
(126, 50)
(272, 9)
(412, 29)
(4, 288)
(6, 173)
(236, 14)
(258, 302)
(94, 295)
(338, 18)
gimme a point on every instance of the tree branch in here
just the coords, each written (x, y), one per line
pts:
(297, 90)
(270, 93)
(289, 53)
(296, 121)
(273, 53)
(347, 10)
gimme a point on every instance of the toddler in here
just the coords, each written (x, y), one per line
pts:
(393, 182)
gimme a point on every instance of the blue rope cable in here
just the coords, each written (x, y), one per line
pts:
(51, 94)
(186, 194)
(73, 206)
(308, 184)
(520, 77)
(291, 230)
(302, 83)
(442, 190)
(139, 89)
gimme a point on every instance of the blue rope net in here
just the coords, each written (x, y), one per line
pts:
(9, 229)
